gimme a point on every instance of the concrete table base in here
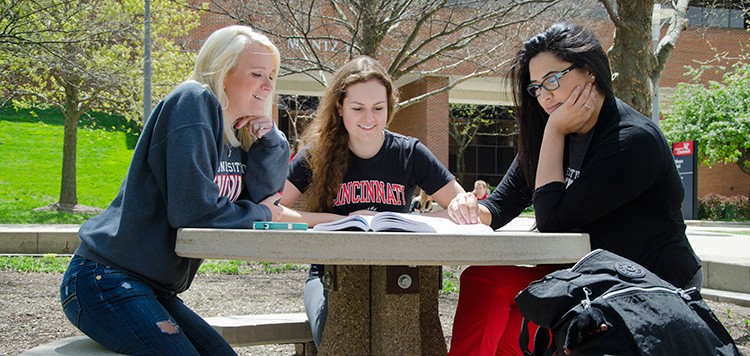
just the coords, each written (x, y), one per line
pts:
(365, 319)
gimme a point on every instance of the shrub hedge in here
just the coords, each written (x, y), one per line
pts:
(723, 208)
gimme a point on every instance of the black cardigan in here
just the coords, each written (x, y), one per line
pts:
(627, 197)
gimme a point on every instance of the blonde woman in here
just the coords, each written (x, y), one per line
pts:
(207, 157)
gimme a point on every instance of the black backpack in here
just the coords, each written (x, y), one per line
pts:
(645, 315)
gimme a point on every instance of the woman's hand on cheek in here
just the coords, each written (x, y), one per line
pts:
(576, 112)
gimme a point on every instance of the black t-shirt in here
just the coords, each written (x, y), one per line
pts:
(576, 147)
(384, 182)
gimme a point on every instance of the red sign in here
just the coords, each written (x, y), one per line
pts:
(684, 148)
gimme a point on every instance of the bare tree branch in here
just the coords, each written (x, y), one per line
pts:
(678, 23)
(423, 37)
(611, 7)
(450, 86)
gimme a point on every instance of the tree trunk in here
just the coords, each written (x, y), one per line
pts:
(744, 161)
(631, 55)
(68, 189)
(371, 32)
(461, 145)
(460, 166)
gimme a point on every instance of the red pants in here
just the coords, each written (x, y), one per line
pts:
(487, 320)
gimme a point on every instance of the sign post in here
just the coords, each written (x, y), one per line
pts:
(686, 159)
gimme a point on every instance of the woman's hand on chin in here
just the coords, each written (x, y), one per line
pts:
(258, 125)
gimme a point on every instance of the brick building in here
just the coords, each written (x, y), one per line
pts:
(488, 158)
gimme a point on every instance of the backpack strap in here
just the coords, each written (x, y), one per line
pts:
(523, 339)
(542, 344)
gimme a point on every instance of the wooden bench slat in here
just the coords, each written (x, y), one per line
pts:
(262, 329)
(238, 330)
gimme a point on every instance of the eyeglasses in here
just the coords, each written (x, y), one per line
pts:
(550, 83)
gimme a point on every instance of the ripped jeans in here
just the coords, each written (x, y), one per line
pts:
(127, 316)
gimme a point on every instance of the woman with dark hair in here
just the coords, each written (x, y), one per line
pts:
(351, 163)
(588, 163)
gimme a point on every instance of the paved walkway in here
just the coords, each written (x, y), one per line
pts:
(712, 241)
(722, 247)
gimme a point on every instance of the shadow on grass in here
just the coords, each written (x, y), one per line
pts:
(43, 217)
(91, 120)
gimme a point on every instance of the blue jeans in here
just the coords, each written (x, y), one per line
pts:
(316, 307)
(127, 316)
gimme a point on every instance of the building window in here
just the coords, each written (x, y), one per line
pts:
(716, 17)
(487, 151)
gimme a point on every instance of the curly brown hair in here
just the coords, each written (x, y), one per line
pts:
(327, 139)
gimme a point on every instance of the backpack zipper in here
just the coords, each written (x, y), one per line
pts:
(583, 259)
(684, 294)
(586, 302)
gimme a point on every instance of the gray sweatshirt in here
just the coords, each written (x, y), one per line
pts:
(182, 174)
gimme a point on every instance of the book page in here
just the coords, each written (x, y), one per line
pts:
(390, 221)
(351, 222)
(399, 222)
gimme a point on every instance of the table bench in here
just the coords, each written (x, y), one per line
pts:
(383, 292)
(265, 329)
(238, 330)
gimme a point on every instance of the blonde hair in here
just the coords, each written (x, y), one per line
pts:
(481, 183)
(327, 138)
(217, 57)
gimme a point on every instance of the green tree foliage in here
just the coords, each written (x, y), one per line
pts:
(716, 115)
(82, 56)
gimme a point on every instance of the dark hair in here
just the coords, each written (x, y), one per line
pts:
(568, 42)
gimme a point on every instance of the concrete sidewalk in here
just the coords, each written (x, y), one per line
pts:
(712, 241)
(725, 253)
(726, 259)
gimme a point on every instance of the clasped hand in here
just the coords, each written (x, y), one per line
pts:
(258, 125)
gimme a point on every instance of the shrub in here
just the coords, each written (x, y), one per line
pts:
(719, 207)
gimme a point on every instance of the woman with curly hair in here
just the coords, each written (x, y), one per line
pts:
(352, 163)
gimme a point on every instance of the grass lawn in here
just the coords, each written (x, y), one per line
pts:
(52, 263)
(31, 165)
(734, 232)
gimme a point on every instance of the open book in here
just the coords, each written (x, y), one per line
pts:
(400, 222)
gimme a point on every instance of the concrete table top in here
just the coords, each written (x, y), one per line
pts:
(366, 313)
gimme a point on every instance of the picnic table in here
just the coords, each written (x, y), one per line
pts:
(383, 287)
